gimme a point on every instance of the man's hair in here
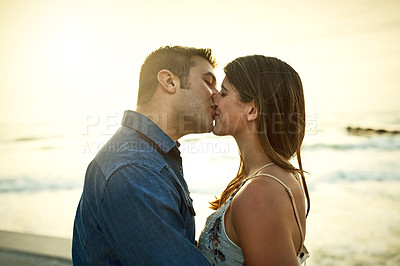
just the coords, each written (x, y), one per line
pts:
(177, 59)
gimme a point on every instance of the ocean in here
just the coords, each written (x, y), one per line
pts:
(353, 180)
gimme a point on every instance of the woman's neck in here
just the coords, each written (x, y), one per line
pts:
(252, 154)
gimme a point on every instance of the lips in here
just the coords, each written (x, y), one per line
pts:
(215, 115)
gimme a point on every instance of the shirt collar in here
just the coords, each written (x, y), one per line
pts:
(144, 125)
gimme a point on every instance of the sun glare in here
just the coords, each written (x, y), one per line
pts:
(87, 55)
(71, 48)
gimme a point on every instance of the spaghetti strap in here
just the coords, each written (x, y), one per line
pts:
(262, 167)
(289, 191)
(253, 175)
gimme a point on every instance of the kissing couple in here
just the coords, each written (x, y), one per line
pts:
(135, 207)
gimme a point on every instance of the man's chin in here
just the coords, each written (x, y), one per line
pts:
(209, 126)
(204, 129)
(209, 129)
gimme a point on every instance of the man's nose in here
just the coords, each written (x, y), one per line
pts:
(214, 98)
(214, 92)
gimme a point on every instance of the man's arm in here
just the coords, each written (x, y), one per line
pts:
(141, 219)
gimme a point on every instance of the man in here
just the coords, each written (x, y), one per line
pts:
(135, 207)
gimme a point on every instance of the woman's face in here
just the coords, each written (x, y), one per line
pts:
(230, 113)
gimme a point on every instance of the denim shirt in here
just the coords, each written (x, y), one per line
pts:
(135, 208)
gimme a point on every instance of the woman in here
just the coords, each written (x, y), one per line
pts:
(260, 218)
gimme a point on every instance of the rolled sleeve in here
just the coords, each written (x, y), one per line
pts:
(141, 219)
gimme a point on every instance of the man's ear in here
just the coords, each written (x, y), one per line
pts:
(168, 80)
(252, 112)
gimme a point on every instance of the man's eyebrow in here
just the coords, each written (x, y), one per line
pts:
(211, 74)
(222, 86)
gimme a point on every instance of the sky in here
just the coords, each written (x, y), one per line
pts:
(64, 60)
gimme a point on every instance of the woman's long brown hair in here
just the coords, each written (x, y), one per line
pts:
(277, 91)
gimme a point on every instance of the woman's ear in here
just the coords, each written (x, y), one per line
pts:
(252, 113)
(168, 80)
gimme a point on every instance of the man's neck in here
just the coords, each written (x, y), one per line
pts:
(163, 119)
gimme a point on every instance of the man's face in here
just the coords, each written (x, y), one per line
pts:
(194, 104)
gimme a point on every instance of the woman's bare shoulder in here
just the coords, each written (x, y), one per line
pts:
(260, 193)
(262, 219)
